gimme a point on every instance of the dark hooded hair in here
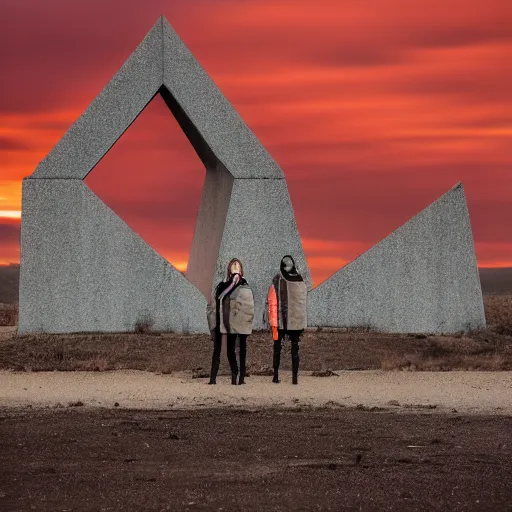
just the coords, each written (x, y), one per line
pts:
(291, 275)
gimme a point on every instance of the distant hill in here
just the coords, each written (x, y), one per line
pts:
(495, 281)
(9, 279)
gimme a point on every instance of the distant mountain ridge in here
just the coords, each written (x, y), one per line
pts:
(495, 281)
(9, 282)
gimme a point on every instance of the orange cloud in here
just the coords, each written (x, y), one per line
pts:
(373, 110)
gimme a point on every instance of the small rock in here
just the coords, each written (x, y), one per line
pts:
(324, 373)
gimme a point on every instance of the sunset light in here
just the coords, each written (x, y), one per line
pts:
(372, 112)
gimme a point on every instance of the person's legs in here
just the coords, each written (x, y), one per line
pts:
(295, 356)
(217, 345)
(231, 344)
(277, 356)
(243, 354)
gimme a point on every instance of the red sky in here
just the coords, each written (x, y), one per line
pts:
(372, 108)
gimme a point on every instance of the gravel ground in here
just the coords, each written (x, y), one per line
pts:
(468, 392)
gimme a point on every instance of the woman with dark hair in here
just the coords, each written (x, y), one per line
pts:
(230, 314)
(287, 313)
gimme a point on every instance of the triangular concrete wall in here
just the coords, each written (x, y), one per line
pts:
(84, 269)
(245, 210)
(422, 278)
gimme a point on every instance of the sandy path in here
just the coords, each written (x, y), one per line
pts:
(470, 392)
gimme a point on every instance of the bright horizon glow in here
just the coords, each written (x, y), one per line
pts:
(10, 214)
(372, 111)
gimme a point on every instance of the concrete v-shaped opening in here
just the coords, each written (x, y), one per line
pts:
(245, 208)
(152, 179)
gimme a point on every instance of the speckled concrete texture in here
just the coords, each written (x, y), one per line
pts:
(110, 114)
(421, 278)
(251, 220)
(260, 229)
(222, 129)
(84, 269)
(211, 218)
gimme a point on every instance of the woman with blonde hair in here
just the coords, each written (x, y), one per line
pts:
(230, 314)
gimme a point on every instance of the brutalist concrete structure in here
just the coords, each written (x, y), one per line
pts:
(83, 269)
(422, 278)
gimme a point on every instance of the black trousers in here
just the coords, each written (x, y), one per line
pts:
(294, 338)
(231, 353)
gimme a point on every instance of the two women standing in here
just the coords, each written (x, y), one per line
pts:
(231, 311)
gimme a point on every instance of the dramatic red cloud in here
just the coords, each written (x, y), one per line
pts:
(372, 109)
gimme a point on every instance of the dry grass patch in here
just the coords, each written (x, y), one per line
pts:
(321, 351)
(8, 315)
(498, 312)
(477, 350)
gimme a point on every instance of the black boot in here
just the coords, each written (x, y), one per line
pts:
(213, 374)
(277, 358)
(295, 360)
(243, 356)
(233, 378)
(217, 344)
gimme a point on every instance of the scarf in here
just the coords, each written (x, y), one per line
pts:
(222, 292)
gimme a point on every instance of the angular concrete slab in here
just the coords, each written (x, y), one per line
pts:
(216, 121)
(245, 210)
(259, 228)
(211, 218)
(84, 269)
(421, 278)
(110, 114)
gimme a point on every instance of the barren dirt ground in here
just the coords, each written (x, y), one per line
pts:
(118, 438)
(263, 459)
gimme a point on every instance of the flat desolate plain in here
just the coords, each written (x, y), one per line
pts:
(142, 431)
(464, 392)
(320, 351)
(262, 459)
